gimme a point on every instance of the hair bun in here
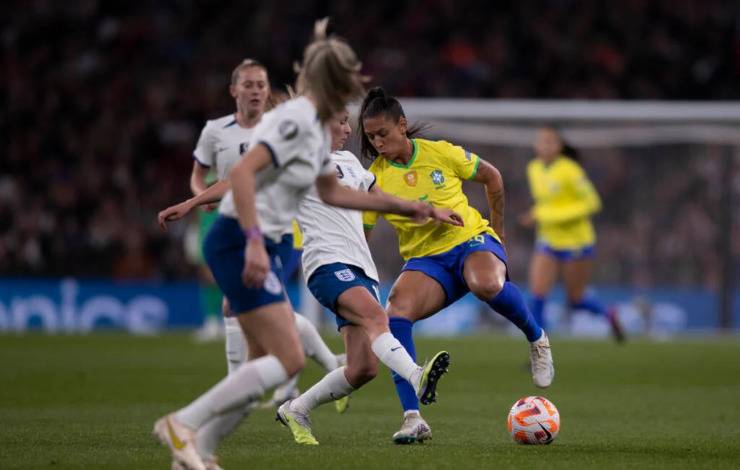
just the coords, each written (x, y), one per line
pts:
(376, 92)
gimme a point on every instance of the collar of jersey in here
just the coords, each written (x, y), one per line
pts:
(411, 160)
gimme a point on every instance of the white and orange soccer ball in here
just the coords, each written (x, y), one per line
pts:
(533, 420)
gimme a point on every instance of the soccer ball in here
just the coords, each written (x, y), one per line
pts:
(533, 420)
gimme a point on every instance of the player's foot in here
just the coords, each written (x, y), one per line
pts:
(181, 441)
(212, 330)
(342, 404)
(543, 370)
(413, 429)
(615, 324)
(430, 375)
(298, 423)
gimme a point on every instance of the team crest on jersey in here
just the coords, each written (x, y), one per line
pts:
(410, 178)
(437, 177)
(345, 275)
(288, 129)
(243, 147)
(272, 284)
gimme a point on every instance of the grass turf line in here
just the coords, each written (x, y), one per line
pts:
(90, 402)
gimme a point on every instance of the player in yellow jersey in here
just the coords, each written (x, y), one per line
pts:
(443, 262)
(564, 202)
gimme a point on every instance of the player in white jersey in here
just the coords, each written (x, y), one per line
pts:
(342, 276)
(289, 153)
(221, 144)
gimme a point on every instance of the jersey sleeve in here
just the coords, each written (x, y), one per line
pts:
(205, 149)
(370, 218)
(463, 163)
(285, 140)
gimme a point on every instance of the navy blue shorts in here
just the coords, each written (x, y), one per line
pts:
(223, 249)
(291, 261)
(447, 268)
(566, 255)
(329, 281)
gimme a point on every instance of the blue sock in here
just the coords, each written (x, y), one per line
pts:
(401, 328)
(589, 304)
(510, 303)
(538, 311)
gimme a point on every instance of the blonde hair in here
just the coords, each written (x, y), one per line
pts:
(330, 72)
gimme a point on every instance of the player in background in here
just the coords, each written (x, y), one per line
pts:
(289, 153)
(443, 262)
(342, 276)
(564, 202)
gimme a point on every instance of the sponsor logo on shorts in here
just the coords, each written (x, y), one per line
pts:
(272, 284)
(345, 275)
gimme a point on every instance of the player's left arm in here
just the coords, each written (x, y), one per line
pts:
(489, 176)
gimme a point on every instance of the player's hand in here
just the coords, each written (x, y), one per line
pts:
(419, 212)
(447, 216)
(256, 264)
(527, 219)
(175, 212)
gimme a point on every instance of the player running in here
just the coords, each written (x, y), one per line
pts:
(287, 155)
(342, 276)
(564, 202)
(443, 262)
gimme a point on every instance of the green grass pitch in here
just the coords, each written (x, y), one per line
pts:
(90, 402)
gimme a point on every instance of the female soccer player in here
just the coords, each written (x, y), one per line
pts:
(342, 276)
(288, 153)
(564, 202)
(221, 144)
(443, 262)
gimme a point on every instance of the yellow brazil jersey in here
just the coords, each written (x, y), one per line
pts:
(297, 236)
(564, 201)
(434, 174)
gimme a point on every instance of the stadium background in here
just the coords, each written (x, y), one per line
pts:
(100, 106)
(103, 102)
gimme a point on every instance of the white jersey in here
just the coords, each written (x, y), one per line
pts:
(222, 142)
(332, 234)
(299, 146)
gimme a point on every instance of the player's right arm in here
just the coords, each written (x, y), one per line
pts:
(211, 195)
(198, 178)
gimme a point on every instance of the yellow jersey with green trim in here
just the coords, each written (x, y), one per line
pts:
(434, 174)
(564, 201)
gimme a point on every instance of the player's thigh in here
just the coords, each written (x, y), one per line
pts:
(576, 274)
(484, 274)
(362, 364)
(358, 306)
(415, 296)
(543, 271)
(272, 328)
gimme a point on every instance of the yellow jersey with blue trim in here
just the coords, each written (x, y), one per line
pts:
(434, 174)
(564, 201)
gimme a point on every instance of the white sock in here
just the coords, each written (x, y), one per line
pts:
(391, 353)
(313, 345)
(236, 344)
(332, 387)
(284, 392)
(405, 414)
(214, 431)
(248, 383)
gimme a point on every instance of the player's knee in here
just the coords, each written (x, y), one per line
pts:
(399, 306)
(486, 289)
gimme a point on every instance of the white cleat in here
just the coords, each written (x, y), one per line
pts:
(181, 441)
(413, 429)
(540, 356)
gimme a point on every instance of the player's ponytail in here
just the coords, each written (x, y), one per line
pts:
(378, 102)
(330, 71)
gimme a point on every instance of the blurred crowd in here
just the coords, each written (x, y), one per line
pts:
(102, 102)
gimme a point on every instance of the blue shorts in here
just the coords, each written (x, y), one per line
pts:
(566, 255)
(447, 268)
(329, 281)
(291, 261)
(224, 252)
